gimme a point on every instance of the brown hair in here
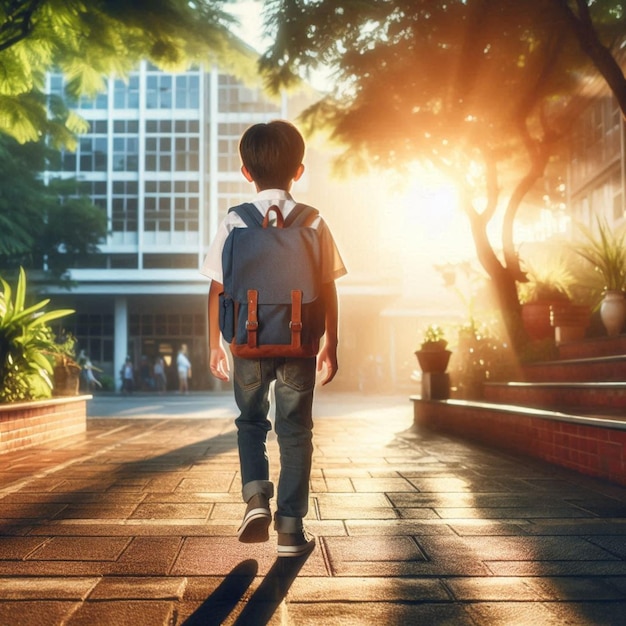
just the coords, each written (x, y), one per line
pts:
(272, 153)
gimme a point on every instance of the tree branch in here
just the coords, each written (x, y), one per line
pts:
(589, 41)
(18, 24)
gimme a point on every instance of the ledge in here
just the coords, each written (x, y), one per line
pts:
(27, 424)
(57, 400)
(591, 445)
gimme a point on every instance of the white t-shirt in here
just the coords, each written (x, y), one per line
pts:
(182, 363)
(332, 264)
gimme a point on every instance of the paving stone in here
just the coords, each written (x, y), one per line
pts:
(148, 555)
(357, 528)
(139, 588)
(81, 549)
(501, 589)
(372, 548)
(368, 613)
(557, 568)
(368, 590)
(172, 510)
(49, 588)
(518, 614)
(112, 613)
(370, 485)
(17, 548)
(35, 613)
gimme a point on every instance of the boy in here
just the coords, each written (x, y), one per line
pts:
(272, 156)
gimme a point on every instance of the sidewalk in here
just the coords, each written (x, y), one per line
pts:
(135, 524)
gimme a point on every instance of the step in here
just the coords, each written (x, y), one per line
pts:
(593, 347)
(562, 396)
(606, 368)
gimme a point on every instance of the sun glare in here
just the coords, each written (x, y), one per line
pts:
(431, 211)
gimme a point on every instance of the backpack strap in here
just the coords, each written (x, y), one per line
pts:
(250, 215)
(301, 215)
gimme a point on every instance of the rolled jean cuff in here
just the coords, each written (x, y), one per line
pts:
(284, 524)
(264, 487)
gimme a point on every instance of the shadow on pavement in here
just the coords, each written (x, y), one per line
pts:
(263, 602)
(216, 608)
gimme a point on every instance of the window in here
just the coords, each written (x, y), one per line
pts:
(234, 97)
(159, 91)
(170, 261)
(92, 148)
(158, 206)
(228, 146)
(187, 151)
(188, 92)
(167, 325)
(126, 93)
(124, 204)
(231, 193)
(94, 333)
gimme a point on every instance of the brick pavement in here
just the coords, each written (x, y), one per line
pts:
(135, 524)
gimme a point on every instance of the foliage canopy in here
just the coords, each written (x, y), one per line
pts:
(91, 40)
(483, 89)
(69, 225)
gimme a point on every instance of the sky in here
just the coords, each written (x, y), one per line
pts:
(249, 13)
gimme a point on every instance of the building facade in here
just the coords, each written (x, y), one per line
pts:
(597, 163)
(161, 159)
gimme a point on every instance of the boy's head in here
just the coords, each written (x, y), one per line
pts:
(272, 154)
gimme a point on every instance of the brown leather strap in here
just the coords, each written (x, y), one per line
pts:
(252, 323)
(280, 220)
(296, 318)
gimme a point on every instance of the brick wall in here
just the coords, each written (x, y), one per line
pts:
(27, 424)
(596, 447)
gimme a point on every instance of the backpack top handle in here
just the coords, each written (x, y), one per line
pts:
(280, 220)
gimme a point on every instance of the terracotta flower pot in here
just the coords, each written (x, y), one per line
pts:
(433, 361)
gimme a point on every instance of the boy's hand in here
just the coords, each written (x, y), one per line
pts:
(218, 364)
(328, 357)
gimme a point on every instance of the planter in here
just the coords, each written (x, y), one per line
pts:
(66, 379)
(27, 424)
(613, 312)
(536, 318)
(570, 321)
(433, 361)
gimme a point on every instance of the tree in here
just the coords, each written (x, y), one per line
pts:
(89, 41)
(69, 226)
(599, 28)
(483, 89)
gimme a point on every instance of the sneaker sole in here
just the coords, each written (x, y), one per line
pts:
(291, 551)
(255, 527)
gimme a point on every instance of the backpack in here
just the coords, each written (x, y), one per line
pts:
(271, 305)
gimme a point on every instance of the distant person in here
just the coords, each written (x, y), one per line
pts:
(272, 156)
(183, 365)
(127, 374)
(158, 371)
(88, 369)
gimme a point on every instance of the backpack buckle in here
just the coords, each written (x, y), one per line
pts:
(250, 325)
(295, 326)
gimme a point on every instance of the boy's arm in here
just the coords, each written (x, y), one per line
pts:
(328, 354)
(218, 360)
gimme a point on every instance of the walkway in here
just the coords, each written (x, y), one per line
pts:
(135, 524)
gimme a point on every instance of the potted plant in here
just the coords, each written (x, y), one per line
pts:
(66, 369)
(26, 343)
(548, 285)
(605, 251)
(433, 355)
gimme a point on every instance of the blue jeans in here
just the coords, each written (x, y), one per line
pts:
(295, 382)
